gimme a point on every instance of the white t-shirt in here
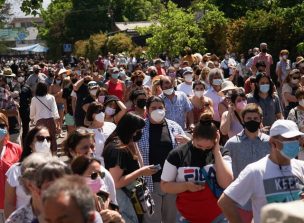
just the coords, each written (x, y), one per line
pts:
(265, 182)
(186, 88)
(100, 136)
(109, 185)
(13, 174)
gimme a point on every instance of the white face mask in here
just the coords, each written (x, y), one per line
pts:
(93, 92)
(20, 79)
(110, 111)
(100, 117)
(199, 94)
(168, 91)
(188, 78)
(301, 102)
(217, 81)
(43, 147)
(158, 115)
(295, 81)
(285, 57)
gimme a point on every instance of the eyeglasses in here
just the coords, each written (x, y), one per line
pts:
(96, 174)
(42, 138)
(2, 126)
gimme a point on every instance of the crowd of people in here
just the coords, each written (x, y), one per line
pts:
(194, 139)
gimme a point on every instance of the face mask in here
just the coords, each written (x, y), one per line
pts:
(3, 133)
(115, 75)
(264, 88)
(188, 78)
(139, 83)
(264, 50)
(100, 117)
(168, 91)
(101, 98)
(290, 149)
(295, 81)
(199, 94)
(158, 115)
(301, 102)
(58, 82)
(20, 79)
(241, 105)
(252, 126)
(172, 74)
(217, 82)
(93, 92)
(137, 136)
(43, 147)
(242, 60)
(95, 185)
(141, 103)
(110, 111)
(285, 57)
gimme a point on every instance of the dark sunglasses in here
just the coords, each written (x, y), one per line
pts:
(295, 78)
(42, 138)
(96, 174)
(2, 126)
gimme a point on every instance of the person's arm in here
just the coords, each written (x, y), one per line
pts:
(123, 90)
(33, 109)
(121, 113)
(289, 97)
(122, 181)
(54, 109)
(221, 109)
(229, 209)
(78, 84)
(279, 73)
(226, 121)
(9, 200)
(73, 104)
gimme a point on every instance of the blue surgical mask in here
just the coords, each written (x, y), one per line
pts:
(217, 81)
(290, 149)
(264, 88)
(3, 133)
(115, 75)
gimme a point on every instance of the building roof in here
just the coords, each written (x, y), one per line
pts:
(131, 26)
(27, 19)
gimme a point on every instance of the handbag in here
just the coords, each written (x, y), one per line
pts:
(140, 196)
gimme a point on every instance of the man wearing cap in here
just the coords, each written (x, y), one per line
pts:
(186, 86)
(276, 178)
(36, 77)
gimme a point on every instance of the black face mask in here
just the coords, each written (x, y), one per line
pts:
(264, 50)
(141, 103)
(137, 136)
(139, 83)
(252, 126)
(74, 80)
(85, 82)
(153, 73)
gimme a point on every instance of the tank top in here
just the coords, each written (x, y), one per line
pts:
(116, 89)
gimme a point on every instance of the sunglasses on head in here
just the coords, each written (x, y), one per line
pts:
(2, 126)
(42, 138)
(96, 174)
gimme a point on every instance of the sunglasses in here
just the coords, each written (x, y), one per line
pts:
(42, 138)
(96, 174)
(2, 126)
(296, 78)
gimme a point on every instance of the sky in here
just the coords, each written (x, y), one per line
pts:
(16, 11)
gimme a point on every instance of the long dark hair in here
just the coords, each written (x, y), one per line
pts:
(257, 88)
(205, 128)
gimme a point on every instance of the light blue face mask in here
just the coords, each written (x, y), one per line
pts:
(3, 133)
(115, 75)
(264, 88)
(290, 149)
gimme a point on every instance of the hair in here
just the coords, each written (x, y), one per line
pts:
(135, 93)
(290, 74)
(154, 99)
(257, 89)
(238, 92)
(252, 108)
(51, 171)
(137, 74)
(284, 52)
(76, 189)
(205, 73)
(205, 128)
(3, 118)
(29, 168)
(198, 83)
(66, 81)
(27, 149)
(126, 128)
(260, 63)
(102, 89)
(81, 164)
(73, 140)
(299, 92)
(41, 89)
(213, 72)
(94, 108)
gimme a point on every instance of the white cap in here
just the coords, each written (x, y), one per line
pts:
(285, 128)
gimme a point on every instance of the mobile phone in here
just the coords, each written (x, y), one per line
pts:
(201, 183)
(157, 167)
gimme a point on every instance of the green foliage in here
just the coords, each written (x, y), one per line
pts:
(3, 48)
(119, 43)
(31, 6)
(175, 29)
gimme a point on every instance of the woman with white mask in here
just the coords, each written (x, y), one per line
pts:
(114, 109)
(38, 140)
(95, 119)
(160, 136)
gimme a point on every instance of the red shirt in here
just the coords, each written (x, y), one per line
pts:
(11, 155)
(116, 89)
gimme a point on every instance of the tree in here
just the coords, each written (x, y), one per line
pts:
(119, 43)
(174, 29)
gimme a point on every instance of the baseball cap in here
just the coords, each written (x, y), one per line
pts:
(285, 128)
(187, 70)
(92, 84)
(115, 70)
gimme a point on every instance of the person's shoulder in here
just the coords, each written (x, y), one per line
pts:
(13, 146)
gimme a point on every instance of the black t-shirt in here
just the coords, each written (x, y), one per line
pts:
(25, 99)
(83, 97)
(66, 94)
(160, 146)
(114, 156)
